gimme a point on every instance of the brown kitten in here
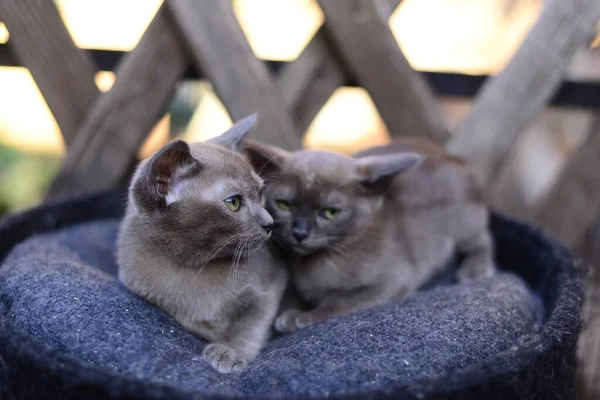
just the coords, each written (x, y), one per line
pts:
(373, 227)
(194, 243)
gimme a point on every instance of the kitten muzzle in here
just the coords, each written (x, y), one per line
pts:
(300, 229)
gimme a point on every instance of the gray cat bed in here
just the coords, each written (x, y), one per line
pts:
(70, 330)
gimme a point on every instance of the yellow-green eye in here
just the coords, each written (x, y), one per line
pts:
(284, 205)
(330, 213)
(233, 203)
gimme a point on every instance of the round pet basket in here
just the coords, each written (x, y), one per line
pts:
(511, 364)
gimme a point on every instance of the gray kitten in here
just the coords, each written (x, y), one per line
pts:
(194, 243)
(370, 228)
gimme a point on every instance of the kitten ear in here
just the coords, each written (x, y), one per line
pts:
(376, 172)
(162, 177)
(263, 158)
(233, 137)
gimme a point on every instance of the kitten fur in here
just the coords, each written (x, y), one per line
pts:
(181, 248)
(405, 209)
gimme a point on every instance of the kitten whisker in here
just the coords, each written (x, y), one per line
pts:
(339, 252)
(239, 260)
(278, 240)
(248, 256)
(344, 250)
(234, 237)
(247, 249)
(265, 164)
(274, 177)
(234, 259)
(236, 264)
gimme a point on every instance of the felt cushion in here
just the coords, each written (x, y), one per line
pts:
(59, 293)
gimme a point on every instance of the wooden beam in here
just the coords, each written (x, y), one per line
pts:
(63, 72)
(387, 7)
(309, 81)
(509, 101)
(7, 57)
(367, 44)
(217, 45)
(123, 117)
(573, 204)
(506, 195)
(583, 94)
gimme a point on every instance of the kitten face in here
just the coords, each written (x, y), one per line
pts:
(318, 199)
(201, 201)
(313, 210)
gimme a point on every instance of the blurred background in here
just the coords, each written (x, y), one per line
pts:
(468, 37)
(464, 36)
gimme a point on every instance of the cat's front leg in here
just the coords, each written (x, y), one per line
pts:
(333, 304)
(479, 261)
(291, 305)
(245, 336)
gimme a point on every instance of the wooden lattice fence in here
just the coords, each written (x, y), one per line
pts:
(104, 131)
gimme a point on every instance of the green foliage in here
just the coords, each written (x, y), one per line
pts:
(7, 157)
(24, 178)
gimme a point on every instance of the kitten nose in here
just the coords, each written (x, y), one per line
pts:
(265, 219)
(299, 234)
(268, 227)
(300, 230)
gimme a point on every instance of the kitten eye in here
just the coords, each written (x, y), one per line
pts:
(233, 202)
(330, 213)
(284, 205)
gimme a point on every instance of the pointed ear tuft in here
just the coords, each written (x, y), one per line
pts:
(232, 138)
(160, 181)
(376, 172)
(263, 158)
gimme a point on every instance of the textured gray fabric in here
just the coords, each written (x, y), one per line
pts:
(60, 288)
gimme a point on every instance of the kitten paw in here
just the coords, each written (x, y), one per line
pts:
(473, 269)
(286, 322)
(224, 358)
(304, 319)
(292, 320)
